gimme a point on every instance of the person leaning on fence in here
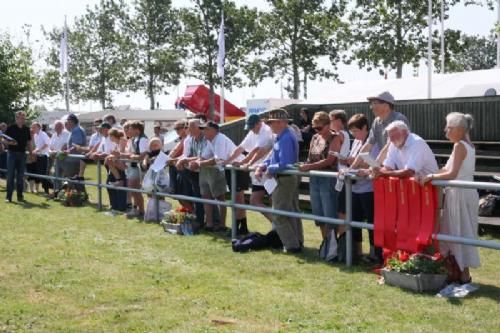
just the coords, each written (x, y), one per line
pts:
(460, 204)
(257, 144)
(16, 155)
(212, 176)
(138, 147)
(42, 142)
(323, 196)
(31, 164)
(94, 142)
(193, 145)
(285, 196)
(382, 107)
(408, 154)
(112, 161)
(178, 183)
(362, 189)
(70, 166)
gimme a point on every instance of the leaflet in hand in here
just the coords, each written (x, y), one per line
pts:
(338, 155)
(270, 185)
(370, 160)
(160, 162)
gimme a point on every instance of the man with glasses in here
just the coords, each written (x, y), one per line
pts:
(382, 107)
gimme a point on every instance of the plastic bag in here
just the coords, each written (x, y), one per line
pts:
(148, 183)
(163, 208)
(162, 181)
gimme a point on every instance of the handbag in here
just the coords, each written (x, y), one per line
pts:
(328, 250)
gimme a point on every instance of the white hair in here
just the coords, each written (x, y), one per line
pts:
(458, 119)
(397, 124)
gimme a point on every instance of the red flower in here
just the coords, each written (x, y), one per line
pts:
(404, 256)
(437, 256)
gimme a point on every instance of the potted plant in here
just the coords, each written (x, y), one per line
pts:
(179, 221)
(418, 272)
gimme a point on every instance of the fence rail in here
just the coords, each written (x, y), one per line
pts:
(347, 222)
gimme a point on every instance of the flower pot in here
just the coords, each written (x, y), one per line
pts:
(417, 282)
(172, 228)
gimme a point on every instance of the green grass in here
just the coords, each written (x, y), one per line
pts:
(76, 270)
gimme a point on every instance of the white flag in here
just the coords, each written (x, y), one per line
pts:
(63, 56)
(222, 49)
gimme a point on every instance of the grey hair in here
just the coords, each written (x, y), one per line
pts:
(460, 119)
(397, 124)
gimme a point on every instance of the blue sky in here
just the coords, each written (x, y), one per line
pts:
(50, 13)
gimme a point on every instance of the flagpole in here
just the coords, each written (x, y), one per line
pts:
(222, 72)
(65, 59)
(429, 52)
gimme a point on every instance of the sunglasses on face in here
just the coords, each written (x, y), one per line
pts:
(318, 128)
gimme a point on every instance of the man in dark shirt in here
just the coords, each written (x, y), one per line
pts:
(16, 155)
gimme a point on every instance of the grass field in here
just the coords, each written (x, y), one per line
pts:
(76, 270)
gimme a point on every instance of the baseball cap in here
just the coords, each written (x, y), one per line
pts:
(105, 125)
(252, 121)
(384, 97)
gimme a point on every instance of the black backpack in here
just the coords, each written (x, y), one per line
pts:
(257, 241)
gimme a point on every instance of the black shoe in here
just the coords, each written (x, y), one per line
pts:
(21, 199)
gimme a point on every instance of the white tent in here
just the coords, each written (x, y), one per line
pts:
(466, 84)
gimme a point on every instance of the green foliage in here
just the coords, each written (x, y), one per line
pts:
(17, 78)
(201, 24)
(155, 33)
(468, 53)
(299, 33)
(100, 54)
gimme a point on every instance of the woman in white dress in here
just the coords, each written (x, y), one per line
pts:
(460, 204)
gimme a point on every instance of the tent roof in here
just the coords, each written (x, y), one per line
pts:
(465, 84)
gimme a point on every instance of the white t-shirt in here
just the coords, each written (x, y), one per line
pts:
(345, 148)
(219, 148)
(143, 145)
(41, 139)
(57, 141)
(264, 139)
(107, 146)
(415, 155)
(95, 139)
(186, 145)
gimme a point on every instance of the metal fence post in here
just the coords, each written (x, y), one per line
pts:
(99, 185)
(156, 205)
(57, 182)
(348, 219)
(234, 221)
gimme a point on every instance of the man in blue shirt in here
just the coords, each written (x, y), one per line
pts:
(77, 137)
(285, 196)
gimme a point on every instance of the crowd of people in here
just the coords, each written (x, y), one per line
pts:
(272, 145)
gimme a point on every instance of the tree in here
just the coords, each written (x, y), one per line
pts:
(155, 32)
(17, 78)
(467, 53)
(201, 24)
(100, 54)
(390, 33)
(301, 31)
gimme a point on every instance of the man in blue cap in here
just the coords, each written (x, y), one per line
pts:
(257, 144)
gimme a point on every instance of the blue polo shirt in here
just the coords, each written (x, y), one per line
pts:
(77, 136)
(285, 152)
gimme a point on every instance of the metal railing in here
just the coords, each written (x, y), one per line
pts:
(348, 223)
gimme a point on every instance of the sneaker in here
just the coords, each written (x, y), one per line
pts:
(111, 213)
(8, 200)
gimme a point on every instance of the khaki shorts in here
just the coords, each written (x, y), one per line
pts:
(212, 182)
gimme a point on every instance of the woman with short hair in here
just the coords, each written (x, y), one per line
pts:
(460, 204)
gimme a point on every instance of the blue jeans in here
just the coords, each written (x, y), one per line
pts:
(16, 165)
(323, 197)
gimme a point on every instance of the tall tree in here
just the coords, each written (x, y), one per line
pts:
(156, 36)
(300, 32)
(17, 78)
(390, 33)
(100, 53)
(467, 53)
(201, 23)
